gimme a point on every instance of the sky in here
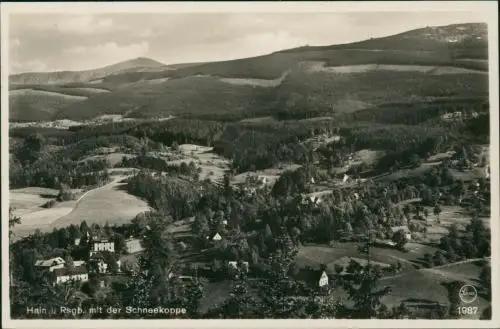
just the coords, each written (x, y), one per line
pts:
(58, 42)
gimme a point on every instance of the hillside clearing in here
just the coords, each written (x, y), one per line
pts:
(107, 204)
(33, 92)
(92, 90)
(256, 82)
(434, 70)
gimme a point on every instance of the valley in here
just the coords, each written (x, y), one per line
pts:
(346, 181)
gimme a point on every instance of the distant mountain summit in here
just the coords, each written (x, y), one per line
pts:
(136, 64)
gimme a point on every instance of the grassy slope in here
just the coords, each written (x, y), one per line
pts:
(186, 93)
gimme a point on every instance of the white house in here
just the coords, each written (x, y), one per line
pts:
(323, 279)
(346, 178)
(51, 264)
(216, 237)
(77, 241)
(233, 265)
(224, 222)
(62, 275)
(101, 245)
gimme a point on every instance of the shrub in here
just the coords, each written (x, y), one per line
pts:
(49, 204)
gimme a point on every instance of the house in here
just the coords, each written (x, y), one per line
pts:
(263, 180)
(323, 279)
(78, 263)
(314, 278)
(101, 245)
(77, 241)
(100, 266)
(234, 266)
(215, 237)
(403, 228)
(346, 178)
(133, 246)
(51, 264)
(66, 274)
(224, 222)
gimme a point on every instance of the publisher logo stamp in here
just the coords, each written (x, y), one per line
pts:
(468, 293)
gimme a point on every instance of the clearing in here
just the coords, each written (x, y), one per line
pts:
(33, 92)
(107, 204)
(434, 70)
(256, 82)
(433, 280)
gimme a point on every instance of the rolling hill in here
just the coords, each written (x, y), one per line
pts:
(428, 64)
(64, 77)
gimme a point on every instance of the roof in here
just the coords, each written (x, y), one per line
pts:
(405, 228)
(102, 241)
(50, 262)
(213, 235)
(74, 271)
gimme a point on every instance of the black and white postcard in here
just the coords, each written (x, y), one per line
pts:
(315, 164)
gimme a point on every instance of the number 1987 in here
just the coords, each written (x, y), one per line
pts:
(470, 310)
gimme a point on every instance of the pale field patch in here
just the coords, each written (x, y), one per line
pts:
(107, 204)
(440, 156)
(362, 68)
(266, 83)
(33, 92)
(93, 90)
(113, 158)
(30, 199)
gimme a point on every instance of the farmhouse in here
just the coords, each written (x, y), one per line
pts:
(50, 264)
(313, 277)
(101, 245)
(323, 279)
(78, 263)
(66, 274)
(133, 246)
(233, 266)
(99, 265)
(403, 228)
(215, 237)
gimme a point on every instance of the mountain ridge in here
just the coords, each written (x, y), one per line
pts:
(419, 65)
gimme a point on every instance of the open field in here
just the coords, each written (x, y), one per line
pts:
(256, 82)
(420, 170)
(33, 92)
(92, 90)
(30, 199)
(426, 285)
(108, 204)
(114, 157)
(27, 204)
(315, 255)
(212, 165)
(440, 156)
(434, 70)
